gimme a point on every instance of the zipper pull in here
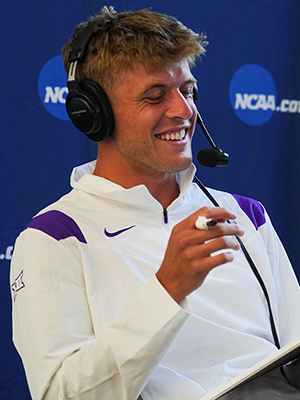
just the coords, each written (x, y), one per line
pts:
(165, 212)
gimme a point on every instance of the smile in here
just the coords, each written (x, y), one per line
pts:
(176, 135)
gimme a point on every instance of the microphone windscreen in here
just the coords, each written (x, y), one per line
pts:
(208, 157)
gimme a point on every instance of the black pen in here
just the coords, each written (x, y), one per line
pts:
(205, 223)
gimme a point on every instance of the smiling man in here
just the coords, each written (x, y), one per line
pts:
(155, 119)
(125, 294)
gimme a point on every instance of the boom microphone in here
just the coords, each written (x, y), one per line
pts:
(213, 157)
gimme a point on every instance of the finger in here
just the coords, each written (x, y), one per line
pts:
(225, 229)
(220, 244)
(216, 261)
(218, 213)
(196, 237)
(204, 250)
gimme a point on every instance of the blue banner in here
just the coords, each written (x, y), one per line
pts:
(249, 99)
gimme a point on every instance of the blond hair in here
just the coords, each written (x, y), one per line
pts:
(122, 39)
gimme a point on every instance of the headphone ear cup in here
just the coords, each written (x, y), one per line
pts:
(89, 109)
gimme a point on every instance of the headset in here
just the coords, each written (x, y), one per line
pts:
(90, 111)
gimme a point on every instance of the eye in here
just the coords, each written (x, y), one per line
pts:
(155, 95)
(155, 99)
(188, 93)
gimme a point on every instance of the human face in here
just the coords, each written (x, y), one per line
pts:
(155, 118)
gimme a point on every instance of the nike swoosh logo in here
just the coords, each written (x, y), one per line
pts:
(113, 234)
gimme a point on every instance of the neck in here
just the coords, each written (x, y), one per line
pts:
(163, 187)
(166, 191)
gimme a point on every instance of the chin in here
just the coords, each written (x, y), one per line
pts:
(180, 166)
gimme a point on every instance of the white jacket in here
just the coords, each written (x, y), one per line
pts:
(91, 321)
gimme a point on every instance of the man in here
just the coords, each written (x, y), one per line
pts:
(123, 295)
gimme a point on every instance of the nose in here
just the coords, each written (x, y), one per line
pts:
(180, 106)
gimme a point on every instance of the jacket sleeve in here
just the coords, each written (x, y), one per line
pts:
(275, 268)
(54, 334)
(286, 285)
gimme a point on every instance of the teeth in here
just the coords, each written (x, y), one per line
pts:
(173, 136)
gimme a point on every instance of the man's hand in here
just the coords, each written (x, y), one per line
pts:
(188, 258)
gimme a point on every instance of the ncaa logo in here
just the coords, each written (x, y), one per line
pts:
(53, 88)
(252, 94)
